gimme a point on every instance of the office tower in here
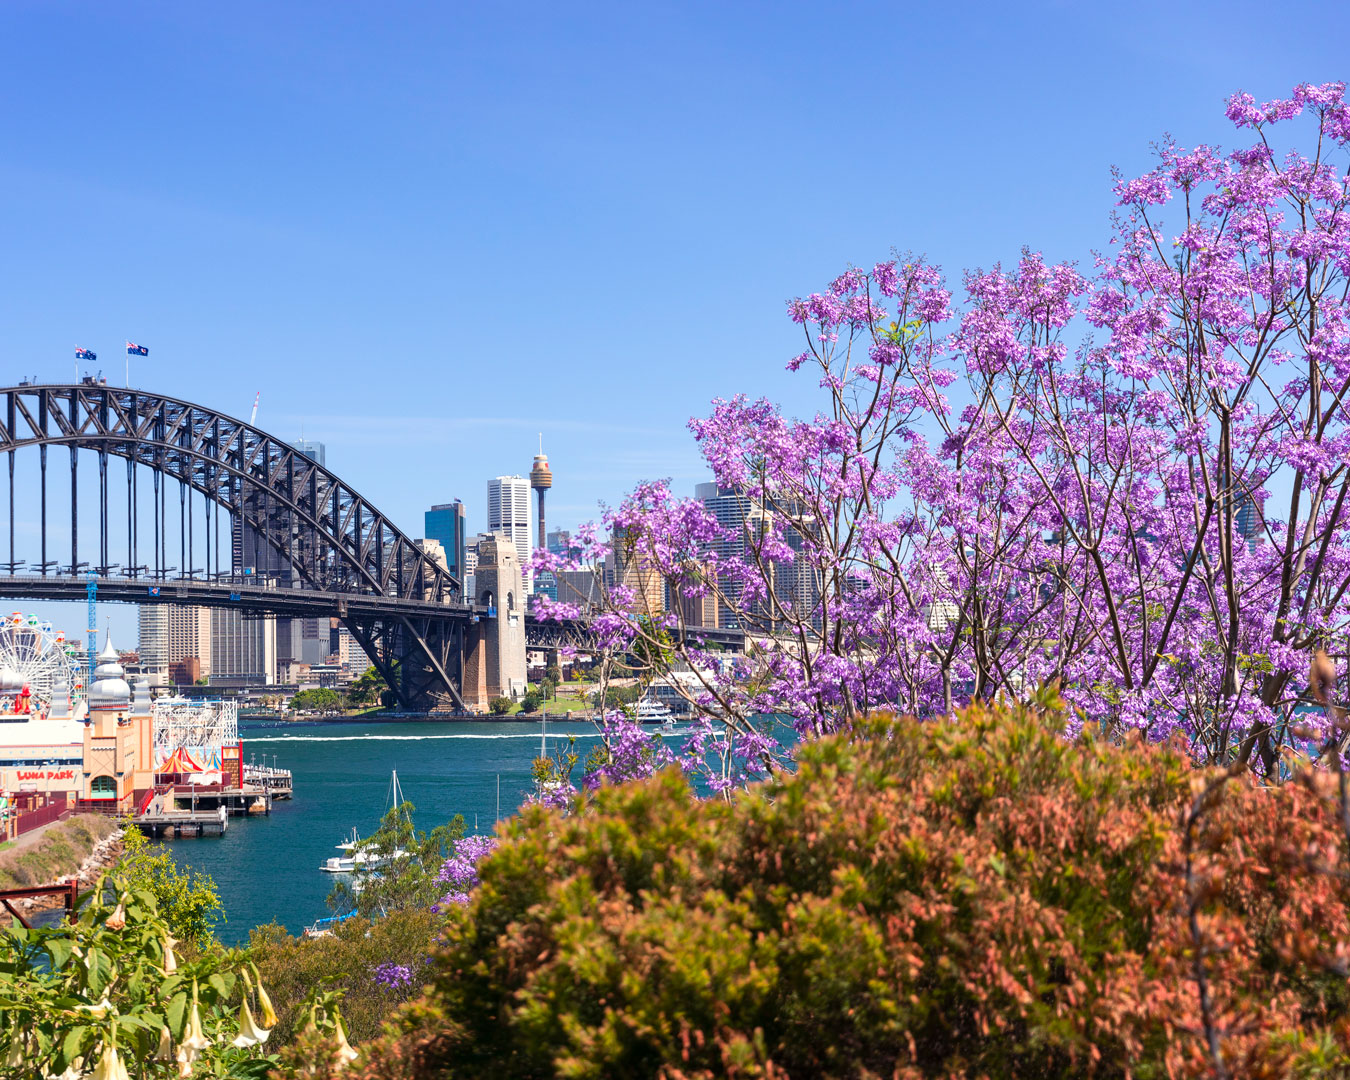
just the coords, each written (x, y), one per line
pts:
(1247, 520)
(315, 451)
(243, 651)
(470, 568)
(559, 542)
(509, 514)
(446, 523)
(734, 513)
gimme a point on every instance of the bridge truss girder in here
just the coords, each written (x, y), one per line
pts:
(328, 539)
(328, 535)
(421, 657)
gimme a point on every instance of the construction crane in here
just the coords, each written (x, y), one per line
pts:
(91, 592)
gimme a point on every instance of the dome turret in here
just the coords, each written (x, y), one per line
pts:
(110, 689)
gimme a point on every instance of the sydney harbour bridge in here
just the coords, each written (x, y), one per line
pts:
(324, 549)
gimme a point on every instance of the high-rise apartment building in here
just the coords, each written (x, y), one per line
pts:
(171, 634)
(509, 514)
(447, 524)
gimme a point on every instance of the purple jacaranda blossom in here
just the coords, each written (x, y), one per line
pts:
(1127, 476)
(393, 976)
(460, 869)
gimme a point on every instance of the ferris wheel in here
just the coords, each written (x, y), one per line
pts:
(32, 654)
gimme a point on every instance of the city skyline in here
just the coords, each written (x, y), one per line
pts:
(369, 224)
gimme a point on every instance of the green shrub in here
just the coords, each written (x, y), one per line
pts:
(500, 706)
(290, 966)
(187, 899)
(974, 898)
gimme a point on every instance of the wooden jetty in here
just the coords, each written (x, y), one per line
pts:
(199, 810)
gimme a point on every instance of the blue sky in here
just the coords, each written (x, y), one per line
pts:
(428, 231)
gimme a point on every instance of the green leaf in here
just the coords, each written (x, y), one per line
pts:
(59, 949)
(100, 969)
(72, 1043)
(177, 1013)
(222, 983)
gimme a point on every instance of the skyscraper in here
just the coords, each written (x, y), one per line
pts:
(446, 523)
(734, 513)
(172, 633)
(509, 513)
(243, 651)
(315, 451)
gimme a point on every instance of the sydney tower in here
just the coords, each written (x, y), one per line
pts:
(541, 479)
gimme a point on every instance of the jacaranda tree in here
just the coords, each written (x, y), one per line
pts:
(1127, 476)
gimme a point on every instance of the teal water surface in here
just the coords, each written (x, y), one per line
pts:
(267, 868)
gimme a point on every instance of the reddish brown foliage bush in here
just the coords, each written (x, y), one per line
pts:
(976, 898)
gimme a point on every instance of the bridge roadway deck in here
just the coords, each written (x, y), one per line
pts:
(299, 603)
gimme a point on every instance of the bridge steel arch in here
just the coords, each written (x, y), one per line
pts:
(407, 611)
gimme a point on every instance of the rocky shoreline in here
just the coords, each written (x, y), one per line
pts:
(98, 862)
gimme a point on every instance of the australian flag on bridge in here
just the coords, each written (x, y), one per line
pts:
(82, 353)
(137, 350)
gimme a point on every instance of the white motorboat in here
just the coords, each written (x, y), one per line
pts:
(354, 860)
(653, 712)
(361, 861)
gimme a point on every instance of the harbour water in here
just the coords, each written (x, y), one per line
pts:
(267, 868)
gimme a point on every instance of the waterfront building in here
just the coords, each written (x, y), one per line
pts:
(448, 524)
(243, 651)
(509, 515)
(99, 750)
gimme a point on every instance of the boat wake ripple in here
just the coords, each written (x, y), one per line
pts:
(251, 739)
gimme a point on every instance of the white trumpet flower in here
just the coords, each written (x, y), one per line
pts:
(170, 961)
(118, 919)
(110, 1066)
(345, 1052)
(269, 1015)
(164, 1052)
(250, 1034)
